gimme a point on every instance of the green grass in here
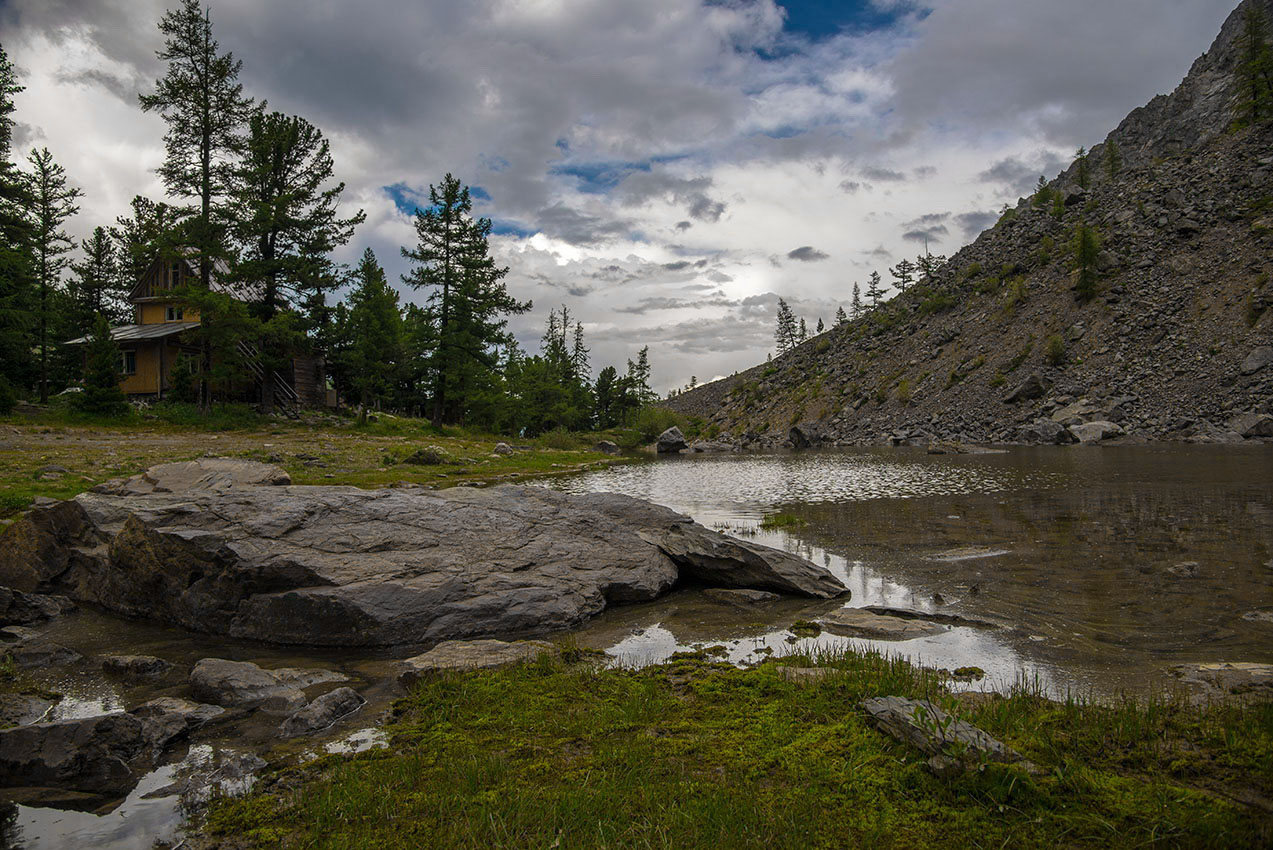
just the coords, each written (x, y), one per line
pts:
(772, 522)
(698, 754)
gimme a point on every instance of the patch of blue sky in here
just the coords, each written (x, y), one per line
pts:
(406, 199)
(505, 227)
(601, 176)
(819, 19)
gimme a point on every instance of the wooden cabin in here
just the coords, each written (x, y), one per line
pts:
(152, 344)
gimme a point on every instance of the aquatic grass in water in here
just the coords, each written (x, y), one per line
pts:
(695, 753)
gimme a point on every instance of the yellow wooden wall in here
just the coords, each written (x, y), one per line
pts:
(156, 312)
(146, 380)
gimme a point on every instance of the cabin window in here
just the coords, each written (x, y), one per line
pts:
(128, 362)
(174, 275)
(176, 314)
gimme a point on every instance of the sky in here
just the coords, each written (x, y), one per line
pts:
(666, 169)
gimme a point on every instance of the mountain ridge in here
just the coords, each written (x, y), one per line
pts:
(1177, 343)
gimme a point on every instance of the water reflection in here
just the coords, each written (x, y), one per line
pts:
(1105, 565)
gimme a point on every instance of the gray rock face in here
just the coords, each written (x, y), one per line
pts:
(1259, 357)
(96, 754)
(1226, 680)
(39, 652)
(136, 666)
(192, 714)
(952, 744)
(1251, 425)
(1094, 432)
(457, 655)
(242, 684)
(1044, 432)
(322, 712)
(670, 441)
(22, 709)
(606, 447)
(339, 566)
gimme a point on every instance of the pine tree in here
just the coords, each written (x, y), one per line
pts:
(821, 327)
(855, 306)
(95, 285)
(282, 212)
(874, 290)
(1083, 175)
(203, 105)
(639, 378)
(151, 232)
(841, 317)
(102, 395)
(16, 284)
(804, 331)
(1253, 76)
(786, 331)
(52, 203)
(1086, 246)
(903, 274)
(1113, 159)
(374, 332)
(468, 302)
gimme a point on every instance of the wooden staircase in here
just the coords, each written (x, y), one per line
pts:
(285, 396)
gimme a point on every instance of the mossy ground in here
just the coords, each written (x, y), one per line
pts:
(318, 450)
(695, 753)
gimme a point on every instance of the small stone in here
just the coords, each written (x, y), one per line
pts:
(136, 666)
(740, 596)
(1259, 357)
(322, 712)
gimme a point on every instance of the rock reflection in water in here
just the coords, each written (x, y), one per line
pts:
(1107, 565)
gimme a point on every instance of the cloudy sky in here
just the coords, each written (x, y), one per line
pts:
(667, 169)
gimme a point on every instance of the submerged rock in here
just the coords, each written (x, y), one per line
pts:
(340, 566)
(242, 684)
(322, 712)
(1225, 679)
(25, 609)
(136, 666)
(192, 715)
(741, 596)
(952, 745)
(455, 655)
(858, 622)
(38, 652)
(22, 709)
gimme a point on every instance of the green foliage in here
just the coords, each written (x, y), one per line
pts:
(972, 271)
(8, 398)
(653, 420)
(1006, 215)
(102, 395)
(937, 302)
(1043, 193)
(822, 346)
(1113, 159)
(904, 392)
(183, 387)
(53, 201)
(1086, 247)
(786, 334)
(1020, 357)
(1058, 206)
(775, 521)
(1253, 74)
(1083, 174)
(428, 456)
(1055, 354)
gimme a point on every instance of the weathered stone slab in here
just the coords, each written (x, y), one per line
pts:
(242, 684)
(858, 622)
(96, 755)
(1227, 679)
(136, 666)
(322, 712)
(953, 745)
(459, 655)
(237, 553)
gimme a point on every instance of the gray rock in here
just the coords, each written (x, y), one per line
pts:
(952, 744)
(1259, 357)
(504, 449)
(712, 447)
(22, 709)
(207, 475)
(461, 655)
(193, 715)
(339, 566)
(858, 622)
(1044, 432)
(743, 597)
(805, 435)
(1032, 387)
(136, 666)
(102, 754)
(1263, 616)
(39, 652)
(304, 677)
(24, 609)
(606, 447)
(1185, 569)
(670, 441)
(1251, 425)
(322, 712)
(1221, 679)
(1094, 432)
(242, 684)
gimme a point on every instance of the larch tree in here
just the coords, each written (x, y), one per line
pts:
(855, 306)
(1086, 247)
(468, 302)
(374, 332)
(140, 239)
(874, 290)
(201, 100)
(786, 331)
(53, 202)
(903, 274)
(1253, 76)
(841, 317)
(16, 285)
(1083, 174)
(95, 284)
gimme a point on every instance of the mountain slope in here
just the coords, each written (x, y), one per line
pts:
(1171, 346)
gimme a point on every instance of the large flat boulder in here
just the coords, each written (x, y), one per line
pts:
(103, 754)
(230, 549)
(463, 655)
(242, 684)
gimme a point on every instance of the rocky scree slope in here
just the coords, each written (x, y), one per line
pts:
(1176, 344)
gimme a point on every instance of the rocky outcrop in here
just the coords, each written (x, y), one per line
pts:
(323, 712)
(459, 655)
(1177, 341)
(242, 684)
(24, 609)
(858, 622)
(670, 441)
(952, 745)
(136, 666)
(1227, 680)
(342, 566)
(99, 755)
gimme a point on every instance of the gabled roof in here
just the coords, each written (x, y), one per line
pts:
(220, 282)
(129, 333)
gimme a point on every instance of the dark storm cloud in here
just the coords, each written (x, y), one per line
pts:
(923, 235)
(927, 220)
(1019, 176)
(807, 254)
(577, 228)
(975, 222)
(850, 186)
(882, 175)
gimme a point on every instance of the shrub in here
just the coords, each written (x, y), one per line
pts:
(1055, 354)
(938, 302)
(904, 392)
(651, 421)
(428, 456)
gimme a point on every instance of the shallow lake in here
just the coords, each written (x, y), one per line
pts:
(1105, 566)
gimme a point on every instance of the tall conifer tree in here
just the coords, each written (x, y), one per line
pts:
(52, 203)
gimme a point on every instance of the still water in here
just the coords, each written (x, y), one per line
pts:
(1104, 566)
